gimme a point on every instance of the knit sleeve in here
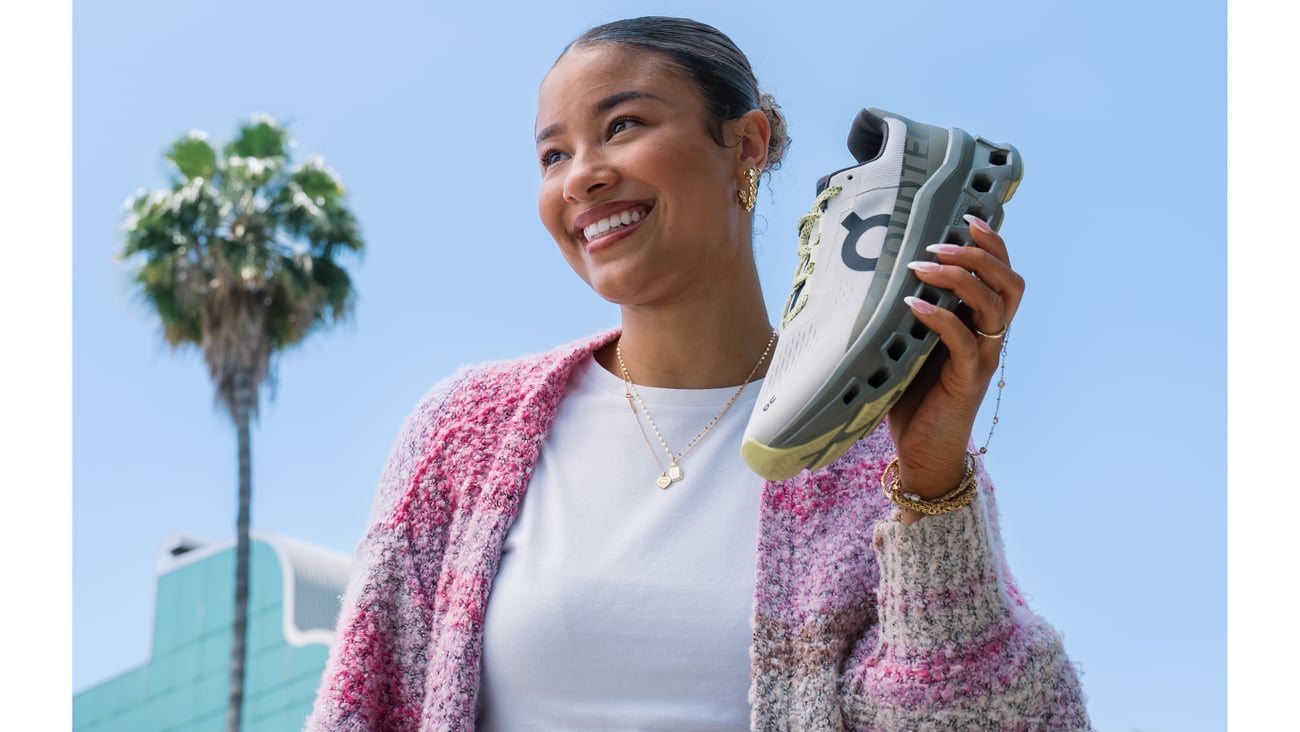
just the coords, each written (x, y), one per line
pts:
(957, 647)
(374, 678)
(862, 623)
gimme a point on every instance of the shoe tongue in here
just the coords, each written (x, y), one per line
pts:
(823, 182)
(867, 136)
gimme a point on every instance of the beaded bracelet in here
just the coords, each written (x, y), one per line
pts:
(959, 497)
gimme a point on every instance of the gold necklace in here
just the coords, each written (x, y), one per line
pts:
(673, 472)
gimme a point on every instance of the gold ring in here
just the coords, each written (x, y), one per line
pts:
(995, 336)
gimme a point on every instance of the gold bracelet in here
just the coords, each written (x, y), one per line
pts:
(959, 497)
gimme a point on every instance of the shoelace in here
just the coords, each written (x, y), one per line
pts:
(807, 247)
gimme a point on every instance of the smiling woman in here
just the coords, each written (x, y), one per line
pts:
(640, 147)
(571, 540)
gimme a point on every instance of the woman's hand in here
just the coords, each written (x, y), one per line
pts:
(931, 424)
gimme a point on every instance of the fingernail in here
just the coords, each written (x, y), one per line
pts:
(978, 223)
(923, 266)
(943, 248)
(919, 305)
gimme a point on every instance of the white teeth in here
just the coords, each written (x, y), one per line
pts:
(605, 225)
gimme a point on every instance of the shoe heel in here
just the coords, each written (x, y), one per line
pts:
(995, 174)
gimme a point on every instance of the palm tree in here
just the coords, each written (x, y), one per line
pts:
(238, 258)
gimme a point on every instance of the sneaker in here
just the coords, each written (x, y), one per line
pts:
(849, 344)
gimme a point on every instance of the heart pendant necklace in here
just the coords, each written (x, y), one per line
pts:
(669, 476)
(673, 473)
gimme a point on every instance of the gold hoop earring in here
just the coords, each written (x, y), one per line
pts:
(749, 197)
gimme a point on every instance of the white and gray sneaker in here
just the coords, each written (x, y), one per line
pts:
(849, 344)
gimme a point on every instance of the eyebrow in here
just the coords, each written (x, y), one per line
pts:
(600, 107)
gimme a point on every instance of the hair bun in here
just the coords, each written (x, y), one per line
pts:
(780, 139)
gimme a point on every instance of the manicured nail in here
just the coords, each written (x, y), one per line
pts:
(919, 305)
(943, 248)
(923, 266)
(978, 223)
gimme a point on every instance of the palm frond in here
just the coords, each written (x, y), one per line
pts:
(239, 256)
(193, 156)
(260, 137)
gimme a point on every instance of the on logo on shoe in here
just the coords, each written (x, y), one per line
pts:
(857, 226)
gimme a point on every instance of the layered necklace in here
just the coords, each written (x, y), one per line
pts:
(673, 473)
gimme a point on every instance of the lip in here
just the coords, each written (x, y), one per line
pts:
(611, 238)
(604, 210)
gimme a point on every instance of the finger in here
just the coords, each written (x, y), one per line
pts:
(988, 308)
(1007, 283)
(991, 270)
(961, 342)
(986, 238)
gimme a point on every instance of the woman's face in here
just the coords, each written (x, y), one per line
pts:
(638, 196)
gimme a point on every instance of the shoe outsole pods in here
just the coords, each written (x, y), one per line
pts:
(849, 343)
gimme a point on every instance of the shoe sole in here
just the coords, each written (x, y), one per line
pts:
(893, 346)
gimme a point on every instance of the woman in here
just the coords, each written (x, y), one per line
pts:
(721, 602)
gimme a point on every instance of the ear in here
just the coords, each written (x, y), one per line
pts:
(753, 132)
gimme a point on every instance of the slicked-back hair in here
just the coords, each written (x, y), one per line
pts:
(720, 71)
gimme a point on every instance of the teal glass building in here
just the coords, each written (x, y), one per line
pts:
(293, 603)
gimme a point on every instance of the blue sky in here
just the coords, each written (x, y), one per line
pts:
(1115, 400)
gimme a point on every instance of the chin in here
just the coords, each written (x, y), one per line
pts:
(614, 290)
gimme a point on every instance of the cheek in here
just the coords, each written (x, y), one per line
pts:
(550, 209)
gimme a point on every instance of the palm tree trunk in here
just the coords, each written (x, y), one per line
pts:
(238, 644)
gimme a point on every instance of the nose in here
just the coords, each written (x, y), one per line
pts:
(588, 172)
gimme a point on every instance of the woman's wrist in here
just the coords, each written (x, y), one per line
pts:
(929, 483)
(921, 492)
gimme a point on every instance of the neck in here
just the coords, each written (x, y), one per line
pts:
(708, 343)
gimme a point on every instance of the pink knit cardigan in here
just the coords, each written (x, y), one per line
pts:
(859, 622)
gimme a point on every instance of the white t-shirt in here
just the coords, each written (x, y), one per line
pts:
(618, 605)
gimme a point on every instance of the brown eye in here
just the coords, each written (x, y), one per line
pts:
(551, 157)
(621, 124)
